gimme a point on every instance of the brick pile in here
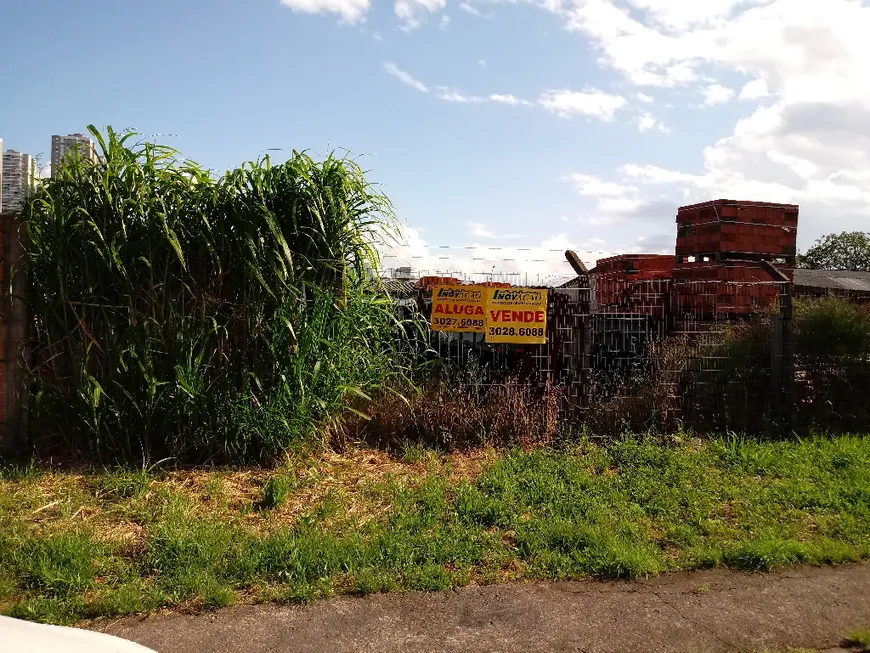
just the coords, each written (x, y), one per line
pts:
(719, 249)
(633, 283)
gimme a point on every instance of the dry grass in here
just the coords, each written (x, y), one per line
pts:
(464, 416)
(116, 506)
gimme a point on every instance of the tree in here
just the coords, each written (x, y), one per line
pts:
(849, 250)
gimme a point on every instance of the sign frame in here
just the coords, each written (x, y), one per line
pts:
(458, 308)
(516, 316)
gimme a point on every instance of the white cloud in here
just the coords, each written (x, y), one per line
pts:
(405, 78)
(627, 198)
(620, 205)
(453, 95)
(810, 145)
(599, 220)
(506, 99)
(445, 21)
(450, 94)
(754, 90)
(481, 63)
(543, 262)
(650, 174)
(596, 187)
(351, 11)
(481, 230)
(717, 94)
(646, 122)
(804, 49)
(643, 97)
(411, 11)
(596, 104)
(474, 11)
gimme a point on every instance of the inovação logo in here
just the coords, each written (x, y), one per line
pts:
(518, 295)
(464, 294)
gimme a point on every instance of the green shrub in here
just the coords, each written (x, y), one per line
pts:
(832, 351)
(831, 327)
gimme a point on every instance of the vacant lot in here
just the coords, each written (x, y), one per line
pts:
(79, 545)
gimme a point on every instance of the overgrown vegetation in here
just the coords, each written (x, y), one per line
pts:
(721, 380)
(832, 348)
(79, 546)
(199, 317)
(464, 409)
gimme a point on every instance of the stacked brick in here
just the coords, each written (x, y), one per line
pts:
(634, 283)
(426, 283)
(720, 246)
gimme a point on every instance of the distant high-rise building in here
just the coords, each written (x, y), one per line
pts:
(1, 175)
(19, 177)
(62, 146)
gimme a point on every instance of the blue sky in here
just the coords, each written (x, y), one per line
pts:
(580, 123)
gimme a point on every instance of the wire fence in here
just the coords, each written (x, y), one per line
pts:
(717, 354)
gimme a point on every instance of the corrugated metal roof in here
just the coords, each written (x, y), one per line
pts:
(835, 279)
(400, 287)
(581, 281)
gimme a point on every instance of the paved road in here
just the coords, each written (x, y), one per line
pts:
(693, 612)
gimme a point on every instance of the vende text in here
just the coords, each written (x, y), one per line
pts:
(526, 317)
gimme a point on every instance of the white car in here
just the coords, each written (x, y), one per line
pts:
(17, 636)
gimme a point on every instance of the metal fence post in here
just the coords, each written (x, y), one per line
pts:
(776, 369)
(782, 352)
(789, 393)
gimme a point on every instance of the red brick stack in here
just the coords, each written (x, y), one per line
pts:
(720, 245)
(426, 283)
(633, 283)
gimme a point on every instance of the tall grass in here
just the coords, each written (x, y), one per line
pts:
(832, 350)
(461, 409)
(181, 314)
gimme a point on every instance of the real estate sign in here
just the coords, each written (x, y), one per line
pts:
(458, 308)
(516, 315)
(504, 315)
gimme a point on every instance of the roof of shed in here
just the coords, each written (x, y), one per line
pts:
(836, 279)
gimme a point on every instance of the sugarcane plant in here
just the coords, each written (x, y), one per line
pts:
(200, 316)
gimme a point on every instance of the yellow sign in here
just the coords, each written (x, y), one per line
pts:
(516, 315)
(458, 308)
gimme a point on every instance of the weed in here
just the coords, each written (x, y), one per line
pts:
(12, 472)
(414, 452)
(371, 581)
(129, 598)
(275, 492)
(59, 565)
(859, 637)
(122, 483)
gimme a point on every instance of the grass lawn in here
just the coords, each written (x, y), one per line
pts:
(76, 546)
